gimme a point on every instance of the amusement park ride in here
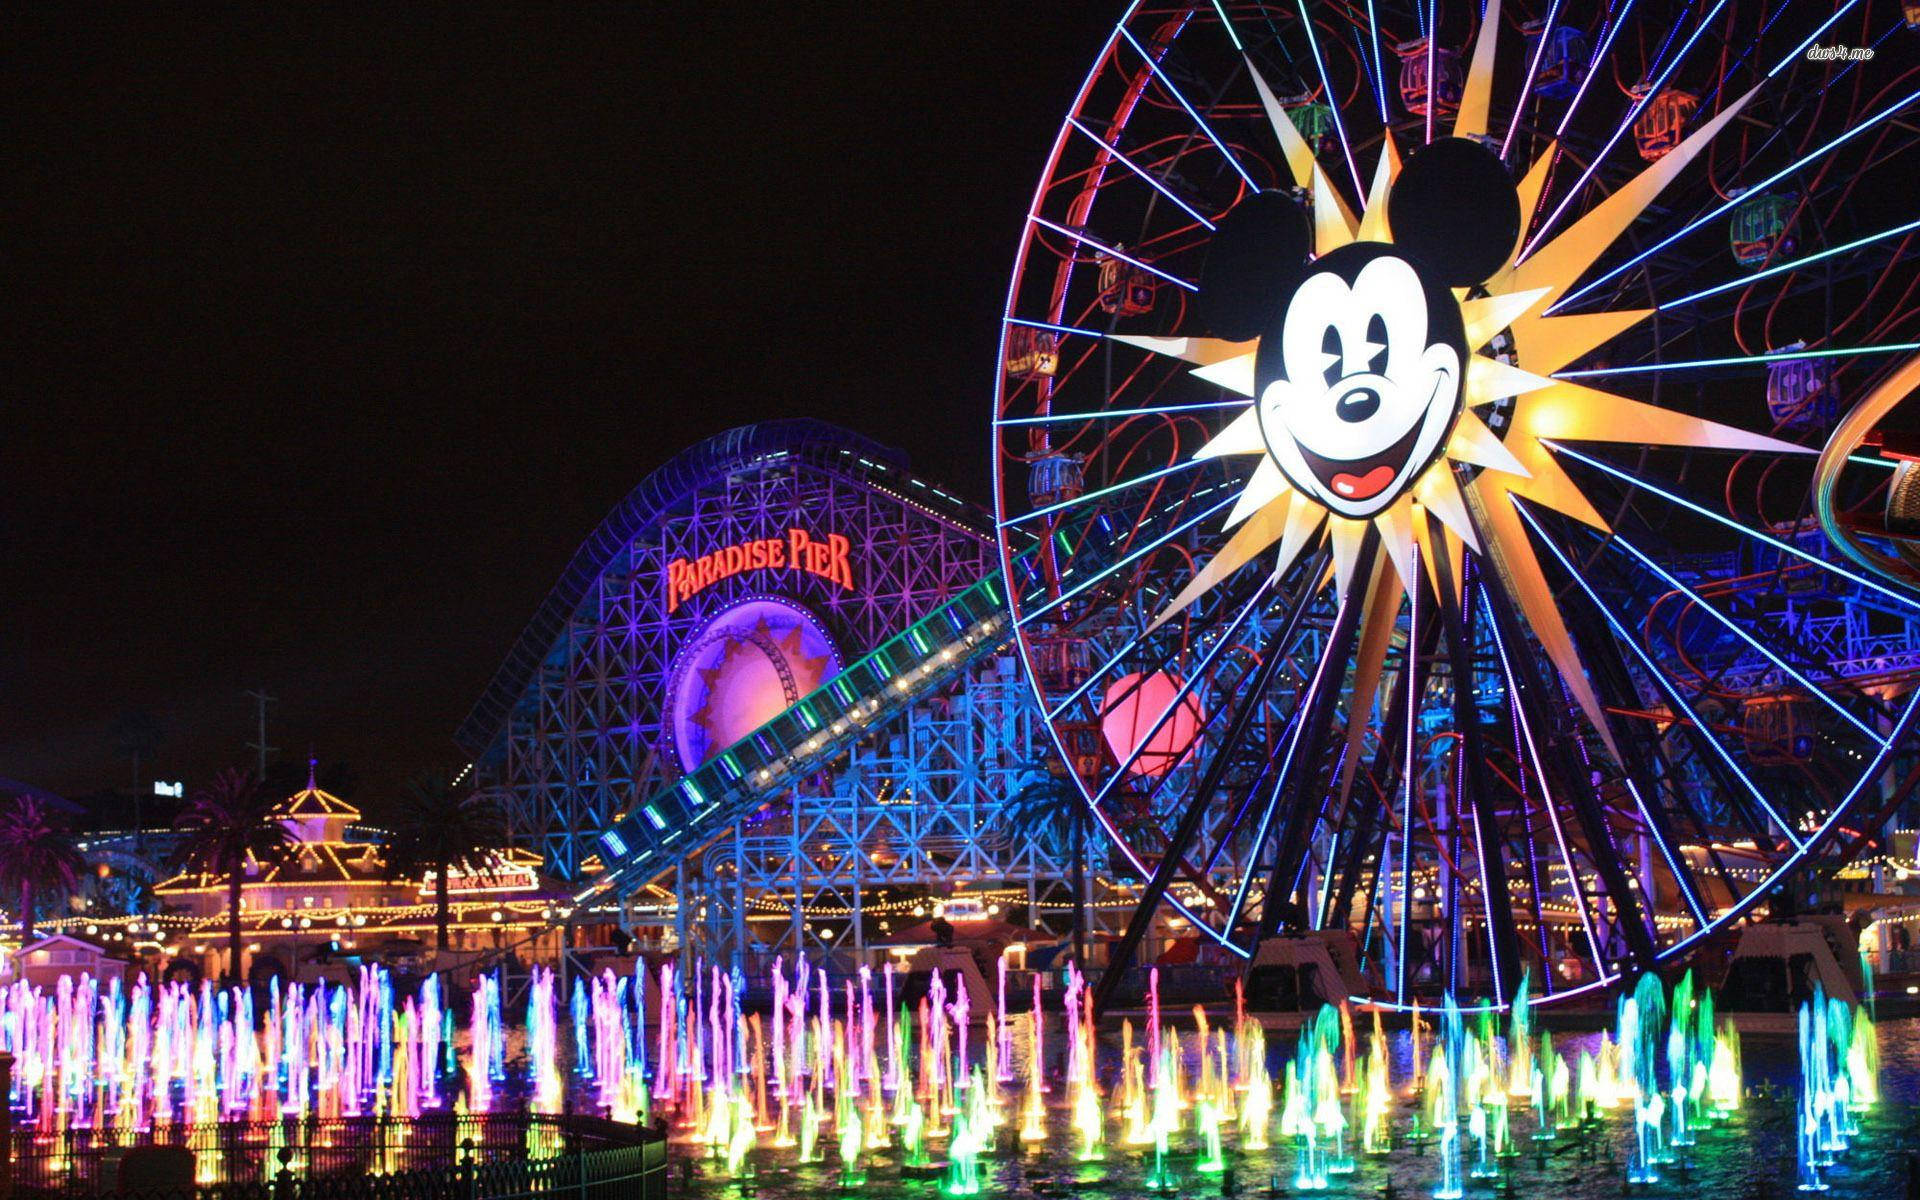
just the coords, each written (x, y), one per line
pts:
(1453, 497)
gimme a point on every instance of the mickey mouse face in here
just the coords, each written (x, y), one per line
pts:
(1360, 369)
(1359, 378)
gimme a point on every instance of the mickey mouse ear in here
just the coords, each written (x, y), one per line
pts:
(1256, 251)
(1455, 208)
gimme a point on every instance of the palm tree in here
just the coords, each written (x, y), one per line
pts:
(437, 831)
(35, 852)
(230, 823)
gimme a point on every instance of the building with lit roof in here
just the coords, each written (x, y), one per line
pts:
(330, 901)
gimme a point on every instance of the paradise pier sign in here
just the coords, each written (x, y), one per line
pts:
(830, 558)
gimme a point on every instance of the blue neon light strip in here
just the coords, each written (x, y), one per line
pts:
(1379, 72)
(1228, 25)
(1741, 361)
(1333, 99)
(1110, 252)
(1553, 814)
(1182, 100)
(1718, 209)
(1769, 539)
(1092, 333)
(1593, 66)
(1795, 52)
(1142, 172)
(1795, 264)
(1526, 89)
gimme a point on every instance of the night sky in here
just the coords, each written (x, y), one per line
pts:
(330, 335)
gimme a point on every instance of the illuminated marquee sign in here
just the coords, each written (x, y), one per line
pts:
(829, 558)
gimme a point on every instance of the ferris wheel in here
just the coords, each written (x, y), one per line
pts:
(1406, 436)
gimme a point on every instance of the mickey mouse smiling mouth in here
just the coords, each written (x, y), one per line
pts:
(1359, 381)
(1359, 480)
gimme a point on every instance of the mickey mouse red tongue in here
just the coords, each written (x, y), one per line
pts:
(1362, 487)
(1362, 479)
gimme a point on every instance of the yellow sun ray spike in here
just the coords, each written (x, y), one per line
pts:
(1396, 537)
(1574, 413)
(1559, 264)
(1201, 351)
(1243, 547)
(1510, 553)
(1240, 436)
(1472, 442)
(1293, 145)
(1472, 121)
(1347, 537)
(1531, 185)
(1439, 493)
(1546, 482)
(1546, 344)
(1489, 379)
(1373, 220)
(1233, 374)
(1383, 596)
(1488, 315)
(1449, 556)
(1267, 484)
(1303, 523)
(1332, 223)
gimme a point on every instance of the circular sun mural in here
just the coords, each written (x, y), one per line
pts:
(747, 665)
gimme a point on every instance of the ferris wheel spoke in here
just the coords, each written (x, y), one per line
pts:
(1378, 57)
(1793, 55)
(1526, 89)
(1123, 953)
(1734, 627)
(1157, 185)
(1131, 558)
(1525, 730)
(1587, 76)
(1199, 122)
(1111, 251)
(1111, 489)
(1496, 898)
(1305, 801)
(1795, 264)
(1765, 538)
(1741, 360)
(1665, 684)
(1727, 205)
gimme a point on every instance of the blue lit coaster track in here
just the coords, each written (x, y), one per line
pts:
(664, 827)
(1545, 648)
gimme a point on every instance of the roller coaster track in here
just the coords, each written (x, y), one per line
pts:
(1847, 438)
(651, 836)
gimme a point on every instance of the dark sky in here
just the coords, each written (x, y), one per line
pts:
(331, 333)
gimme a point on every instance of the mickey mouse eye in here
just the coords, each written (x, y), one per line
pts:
(1377, 343)
(1330, 355)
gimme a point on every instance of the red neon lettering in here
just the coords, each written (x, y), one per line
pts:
(839, 569)
(830, 559)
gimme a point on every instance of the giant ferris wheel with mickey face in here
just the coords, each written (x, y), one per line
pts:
(1407, 508)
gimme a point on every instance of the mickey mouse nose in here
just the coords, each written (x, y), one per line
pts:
(1357, 405)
